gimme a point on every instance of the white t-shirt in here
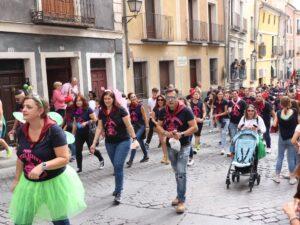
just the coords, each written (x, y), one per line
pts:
(253, 122)
(151, 103)
(92, 104)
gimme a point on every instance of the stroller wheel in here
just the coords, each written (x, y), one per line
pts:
(258, 179)
(227, 182)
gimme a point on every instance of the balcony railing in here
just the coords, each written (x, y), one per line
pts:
(245, 27)
(236, 22)
(76, 13)
(216, 33)
(198, 31)
(158, 28)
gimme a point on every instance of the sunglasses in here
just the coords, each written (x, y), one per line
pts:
(250, 110)
(169, 98)
(160, 100)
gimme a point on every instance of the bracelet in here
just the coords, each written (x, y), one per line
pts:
(294, 218)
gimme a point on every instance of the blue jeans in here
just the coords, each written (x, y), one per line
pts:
(267, 137)
(139, 136)
(291, 155)
(224, 132)
(58, 222)
(179, 162)
(73, 149)
(232, 129)
(117, 153)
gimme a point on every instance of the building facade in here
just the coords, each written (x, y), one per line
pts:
(289, 63)
(176, 42)
(42, 41)
(297, 40)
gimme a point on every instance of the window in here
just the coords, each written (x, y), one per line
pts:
(269, 19)
(213, 71)
(264, 17)
(298, 26)
(140, 79)
(274, 20)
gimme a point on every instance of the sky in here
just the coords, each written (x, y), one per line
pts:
(296, 3)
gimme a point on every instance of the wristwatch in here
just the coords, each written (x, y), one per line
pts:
(44, 166)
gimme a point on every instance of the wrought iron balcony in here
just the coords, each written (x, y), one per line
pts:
(236, 22)
(198, 31)
(75, 13)
(159, 28)
(216, 33)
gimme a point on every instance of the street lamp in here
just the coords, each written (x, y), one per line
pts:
(135, 5)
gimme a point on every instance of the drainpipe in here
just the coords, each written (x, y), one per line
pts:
(226, 26)
(124, 21)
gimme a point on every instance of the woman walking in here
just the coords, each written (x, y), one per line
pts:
(43, 180)
(58, 99)
(286, 120)
(220, 118)
(83, 115)
(159, 106)
(138, 120)
(114, 121)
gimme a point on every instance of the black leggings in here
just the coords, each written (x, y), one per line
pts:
(150, 133)
(80, 139)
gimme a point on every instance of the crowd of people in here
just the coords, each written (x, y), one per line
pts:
(125, 128)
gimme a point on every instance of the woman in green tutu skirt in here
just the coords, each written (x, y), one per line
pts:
(44, 187)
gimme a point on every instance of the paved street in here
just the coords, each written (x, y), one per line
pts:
(150, 187)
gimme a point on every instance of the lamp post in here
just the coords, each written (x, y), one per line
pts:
(134, 7)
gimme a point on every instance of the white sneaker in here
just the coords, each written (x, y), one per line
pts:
(190, 162)
(293, 181)
(269, 150)
(276, 179)
(222, 152)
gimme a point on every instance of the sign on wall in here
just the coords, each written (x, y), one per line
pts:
(182, 61)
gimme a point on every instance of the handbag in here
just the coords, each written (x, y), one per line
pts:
(261, 148)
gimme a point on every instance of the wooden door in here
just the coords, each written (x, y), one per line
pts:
(213, 64)
(191, 21)
(99, 81)
(58, 69)
(58, 8)
(193, 73)
(98, 76)
(150, 18)
(164, 74)
(210, 25)
(12, 77)
(140, 79)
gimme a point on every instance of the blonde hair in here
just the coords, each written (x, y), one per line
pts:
(56, 84)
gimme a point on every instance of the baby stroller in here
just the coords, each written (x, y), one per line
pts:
(245, 159)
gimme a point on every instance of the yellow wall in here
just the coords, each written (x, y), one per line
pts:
(153, 53)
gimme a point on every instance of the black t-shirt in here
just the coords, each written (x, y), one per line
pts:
(136, 116)
(197, 109)
(265, 113)
(33, 154)
(249, 100)
(220, 108)
(114, 127)
(287, 127)
(81, 116)
(19, 107)
(177, 121)
(237, 111)
(157, 111)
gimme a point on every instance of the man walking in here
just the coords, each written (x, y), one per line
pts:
(177, 123)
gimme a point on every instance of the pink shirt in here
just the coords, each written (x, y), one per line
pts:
(58, 100)
(68, 87)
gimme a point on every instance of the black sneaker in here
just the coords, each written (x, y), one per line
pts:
(101, 165)
(79, 170)
(129, 164)
(144, 159)
(114, 193)
(117, 199)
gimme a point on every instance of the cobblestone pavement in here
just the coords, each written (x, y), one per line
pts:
(150, 187)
